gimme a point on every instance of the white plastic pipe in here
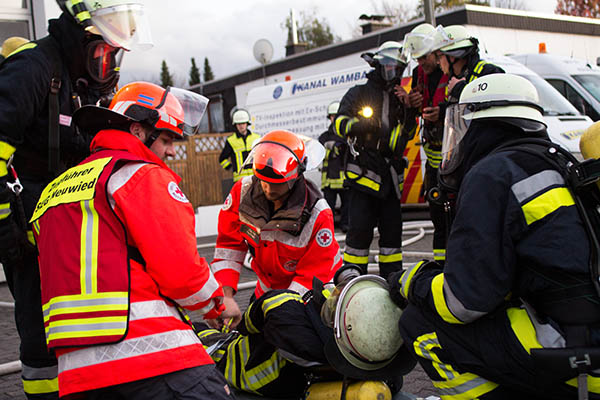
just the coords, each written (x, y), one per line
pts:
(10, 367)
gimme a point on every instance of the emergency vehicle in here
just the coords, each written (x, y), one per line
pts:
(300, 106)
(577, 80)
(565, 123)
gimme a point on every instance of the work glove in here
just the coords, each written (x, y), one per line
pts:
(361, 127)
(400, 282)
(11, 235)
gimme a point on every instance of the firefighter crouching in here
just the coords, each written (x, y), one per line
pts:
(377, 125)
(286, 342)
(516, 282)
(118, 256)
(238, 146)
(332, 177)
(281, 218)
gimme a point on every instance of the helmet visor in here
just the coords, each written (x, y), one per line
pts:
(455, 128)
(103, 60)
(193, 106)
(273, 162)
(124, 26)
(416, 45)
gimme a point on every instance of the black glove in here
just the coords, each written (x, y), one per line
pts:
(10, 233)
(361, 128)
(395, 285)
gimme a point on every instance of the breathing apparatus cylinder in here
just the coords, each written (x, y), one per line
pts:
(363, 390)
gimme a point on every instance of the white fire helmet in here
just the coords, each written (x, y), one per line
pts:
(333, 107)
(490, 96)
(121, 23)
(366, 323)
(416, 42)
(240, 116)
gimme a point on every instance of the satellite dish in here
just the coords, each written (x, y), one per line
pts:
(263, 51)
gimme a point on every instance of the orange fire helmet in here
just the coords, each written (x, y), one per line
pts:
(278, 157)
(174, 110)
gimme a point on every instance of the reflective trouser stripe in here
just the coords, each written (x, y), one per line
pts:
(356, 256)
(250, 380)
(40, 380)
(453, 385)
(526, 333)
(363, 181)
(439, 254)
(40, 386)
(390, 255)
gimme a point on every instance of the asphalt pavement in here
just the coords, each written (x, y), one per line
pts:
(416, 382)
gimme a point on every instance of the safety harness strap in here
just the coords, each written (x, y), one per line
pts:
(50, 48)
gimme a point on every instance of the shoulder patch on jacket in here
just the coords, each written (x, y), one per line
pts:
(176, 193)
(324, 237)
(227, 203)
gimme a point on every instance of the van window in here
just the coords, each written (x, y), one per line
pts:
(591, 83)
(575, 98)
(552, 103)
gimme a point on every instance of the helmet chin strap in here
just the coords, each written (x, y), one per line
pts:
(152, 138)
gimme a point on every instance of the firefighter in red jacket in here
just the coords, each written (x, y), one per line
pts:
(114, 286)
(281, 218)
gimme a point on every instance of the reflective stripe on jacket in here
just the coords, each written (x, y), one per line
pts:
(235, 152)
(158, 220)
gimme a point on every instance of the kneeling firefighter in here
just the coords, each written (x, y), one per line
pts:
(377, 125)
(499, 320)
(315, 345)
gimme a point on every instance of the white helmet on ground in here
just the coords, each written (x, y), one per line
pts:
(366, 323)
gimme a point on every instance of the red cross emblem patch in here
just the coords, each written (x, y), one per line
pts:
(324, 237)
(176, 193)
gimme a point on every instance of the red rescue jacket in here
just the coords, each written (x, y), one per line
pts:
(133, 240)
(289, 248)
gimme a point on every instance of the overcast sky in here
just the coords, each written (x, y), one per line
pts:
(226, 30)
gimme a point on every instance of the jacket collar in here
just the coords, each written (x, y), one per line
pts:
(113, 139)
(257, 210)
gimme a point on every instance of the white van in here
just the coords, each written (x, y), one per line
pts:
(565, 123)
(300, 106)
(575, 79)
